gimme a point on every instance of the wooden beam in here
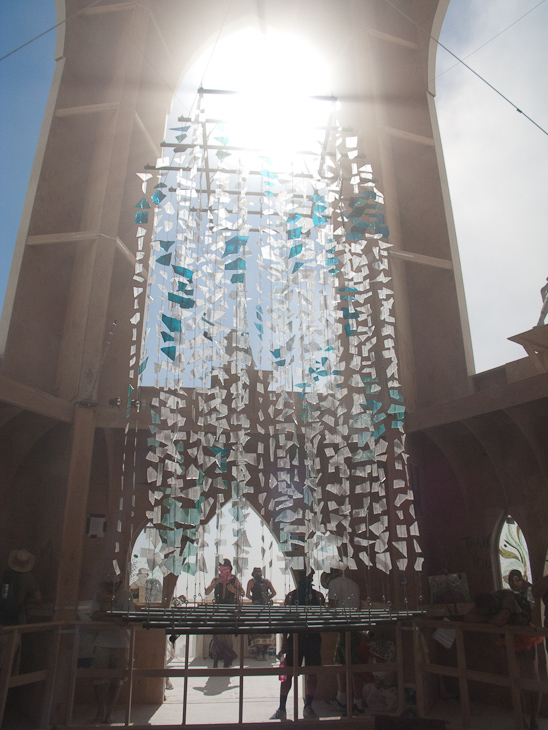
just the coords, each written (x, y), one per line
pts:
(409, 136)
(72, 111)
(419, 258)
(74, 236)
(74, 521)
(114, 8)
(154, 146)
(392, 39)
(30, 399)
(477, 404)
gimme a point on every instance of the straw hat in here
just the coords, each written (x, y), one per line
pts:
(21, 561)
(384, 650)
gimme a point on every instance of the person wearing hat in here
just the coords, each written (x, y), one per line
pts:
(227, 587)
(19, 588)
(111, 648)
(227, 591)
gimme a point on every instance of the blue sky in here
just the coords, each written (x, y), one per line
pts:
(25, 79)
(496, 159)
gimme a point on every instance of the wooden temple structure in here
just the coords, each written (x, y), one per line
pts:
(475, 443)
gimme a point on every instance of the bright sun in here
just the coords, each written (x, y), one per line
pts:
(275, 76)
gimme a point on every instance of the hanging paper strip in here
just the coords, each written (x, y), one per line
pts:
(275, 355)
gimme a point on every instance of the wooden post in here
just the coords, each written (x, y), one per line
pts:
(74, 521)
(463, 682)
(295, 676)
(401, 676)
(53, 659)
(75, 631)
(131, 660)
(513, 672)
(349, 685)
(72, 546)
(419, 676)
(185, 687)
(241, 694)
(10, 639)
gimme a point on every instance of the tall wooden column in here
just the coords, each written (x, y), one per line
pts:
(74, 521)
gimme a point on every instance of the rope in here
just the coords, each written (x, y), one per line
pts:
(479, 76)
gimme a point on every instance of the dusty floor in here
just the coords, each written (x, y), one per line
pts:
(215, 700)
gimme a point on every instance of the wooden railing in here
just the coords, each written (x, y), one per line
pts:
(187, 672)
(10, 644)
(512, 680)
(423, 666)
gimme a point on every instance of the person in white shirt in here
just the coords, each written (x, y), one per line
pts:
(111, 648)
(342, 592)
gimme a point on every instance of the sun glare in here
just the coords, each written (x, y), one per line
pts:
(275, 77)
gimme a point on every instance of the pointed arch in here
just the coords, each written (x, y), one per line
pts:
(512, 550)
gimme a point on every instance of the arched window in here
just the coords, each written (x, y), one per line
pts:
(513, 551)
(224, 537)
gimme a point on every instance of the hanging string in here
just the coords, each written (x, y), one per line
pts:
(492, 39)
(479, 76)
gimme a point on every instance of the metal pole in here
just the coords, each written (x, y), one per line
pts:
(185, 686)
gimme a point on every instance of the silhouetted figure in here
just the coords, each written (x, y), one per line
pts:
(544, 309)
(309, 647)
(111, 649)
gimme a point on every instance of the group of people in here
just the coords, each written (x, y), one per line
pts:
(513, 607)
(376, 690)
(228, 590)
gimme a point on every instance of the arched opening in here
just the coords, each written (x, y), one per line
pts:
(513, 552)
(221, 537)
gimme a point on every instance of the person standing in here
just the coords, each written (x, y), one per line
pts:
(501, 608)
(260, 591)
(520, 588)
(309, 647)
(227, 591)
(19, 588)
(111, 648)
(544, 308)
(227, 587)
(344, 593)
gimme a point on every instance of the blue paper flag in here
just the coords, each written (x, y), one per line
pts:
(236, 265)
(296, 250)
(170, 351)
(166, 245)
(184, 302)
(182, 271)
(173, 325)
(164, 260)
(234, 244)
